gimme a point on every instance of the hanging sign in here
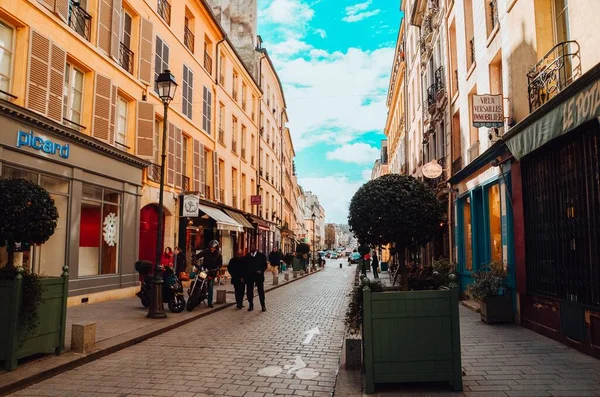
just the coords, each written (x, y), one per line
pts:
(256, 199)
(488, 111)
(191, 205)
(432, 170)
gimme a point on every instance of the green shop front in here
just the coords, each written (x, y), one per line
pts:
(483, 216)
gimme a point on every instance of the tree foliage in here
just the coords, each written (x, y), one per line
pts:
(395, 209)
(28, 214)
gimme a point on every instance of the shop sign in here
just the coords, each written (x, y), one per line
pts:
(432, 170)
(256, 199)
(191, 205)
(35, 142)
(488, 111)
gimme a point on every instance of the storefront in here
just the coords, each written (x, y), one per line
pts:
(557, 191)
(96, 189)
(263, 233)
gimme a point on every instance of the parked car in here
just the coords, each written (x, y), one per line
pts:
(334, 256)
(354, 258)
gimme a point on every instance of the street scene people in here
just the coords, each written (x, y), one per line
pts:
(236, 271)
(275, 260)
(375, 265)
(255, 266)
(213, 260)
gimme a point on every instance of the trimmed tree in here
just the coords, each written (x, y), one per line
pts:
(28, 214)
(396, 209)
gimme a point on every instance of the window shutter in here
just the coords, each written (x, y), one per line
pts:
(38, 80)
(203, 171)
(58, 63)
(209, 112)
(204, 108)
(146, 53)
(115, 38)
(171, 156)
(196, 166)
(102, 103)
(184, 95)
(178, 150)
(104, 24)
(190, 92)
(61, 8)
(113, 116)
(145, 130)
(216, 181)
(49, 4)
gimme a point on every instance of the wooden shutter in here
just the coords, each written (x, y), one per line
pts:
(146, 53)
(184, 91)
(216, 182)
(104, 24)
(39, 73)
(171, 156)
(102, 104)
(58, 63)
(113, 115)
(115, 37)
(196, 166)
(145, 130)
(203, 171)
(178, 154)
(49, 4)
(61, 8)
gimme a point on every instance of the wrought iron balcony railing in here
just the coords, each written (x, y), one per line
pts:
(234, 94)
(234, 146)
(79, 20)
(221, 79)
(164, 10)
(185, 183)
(553, 73)
(431, 96)
(208, 63)
(494, 14)
(188, 38)
(439, 80)
(221, 136)
(153, 172)
(207, 192)
(243, 153)
(126, 58)
(472, 51)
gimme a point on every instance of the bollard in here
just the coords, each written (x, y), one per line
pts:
(221, 296)
(296, 274)
(275, 280)
(286, 277)
(83, 337)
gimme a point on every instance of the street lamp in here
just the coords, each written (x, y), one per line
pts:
(166, 91)
(314, 242)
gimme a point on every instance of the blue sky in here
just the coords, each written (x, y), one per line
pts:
(334, 58)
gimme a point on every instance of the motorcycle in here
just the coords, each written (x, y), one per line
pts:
(172, 288)
(198, 291)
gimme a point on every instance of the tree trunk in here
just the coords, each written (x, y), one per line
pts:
(401, 252)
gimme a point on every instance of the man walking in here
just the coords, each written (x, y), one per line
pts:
(275, 259)
(255, 266)
(236, 270)
(212, 262)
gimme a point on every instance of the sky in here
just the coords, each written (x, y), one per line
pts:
(334, 59)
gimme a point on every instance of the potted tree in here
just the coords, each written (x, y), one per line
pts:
(424, 345)
(490, 289)
(33, 309)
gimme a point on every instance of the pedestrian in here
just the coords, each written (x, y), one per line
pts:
(236, 270)
(255, 266)
(166, 258)
(275, 260)
(289, 259)
(213, 260)
(180, 264)
(375, 265)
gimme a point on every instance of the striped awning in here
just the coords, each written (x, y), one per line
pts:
(224, 221)
(239, 218)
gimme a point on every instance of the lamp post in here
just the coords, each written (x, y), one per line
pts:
(314, 242)
(166, 91)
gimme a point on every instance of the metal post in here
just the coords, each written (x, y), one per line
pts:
(157, 309)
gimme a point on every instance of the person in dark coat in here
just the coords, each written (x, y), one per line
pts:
(289, 259)
(180, 262)
(255, 266)
(236, 270)
(275, 259)
(213, 260)
(375, 265)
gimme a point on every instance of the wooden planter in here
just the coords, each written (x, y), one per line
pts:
(49, 336)
(497, 309)
(411, 336)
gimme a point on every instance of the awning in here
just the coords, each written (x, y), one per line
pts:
(224, 222)
(261, 224)
(239, 218)
(576, 104)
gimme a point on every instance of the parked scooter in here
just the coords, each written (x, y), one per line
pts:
(172, 288)
(144, 268)
(198, 291)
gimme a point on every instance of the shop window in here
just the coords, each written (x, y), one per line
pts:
(6, 60)
(495, 223)
(468, 235)
(99, 232)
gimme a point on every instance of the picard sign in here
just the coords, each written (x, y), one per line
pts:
(488, 111)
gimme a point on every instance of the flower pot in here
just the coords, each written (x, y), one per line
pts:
(497, 309)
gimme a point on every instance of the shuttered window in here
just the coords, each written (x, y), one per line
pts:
(146, 35)
(146, 132)
(161, 59)
(171, 156)
(121, 127)
(73, 96)
(187, 91)
(207, 110)
(6, 58)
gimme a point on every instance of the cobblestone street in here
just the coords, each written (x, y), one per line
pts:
(221, 354)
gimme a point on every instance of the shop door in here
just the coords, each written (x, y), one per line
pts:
(148, 232)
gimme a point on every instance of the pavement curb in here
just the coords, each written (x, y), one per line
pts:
(43, 369)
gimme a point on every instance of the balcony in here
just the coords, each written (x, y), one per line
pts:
(79, 20)
(234, 94)
(440, 88)
(153, 172)
(126, 58)
(557, 69)
(164, 10)
(243, 153)
(457, 165)
(431, 99)
(426, 110)
(185, 183)
(207, 63)
(221, 136)
(234, 146)
(188, 38)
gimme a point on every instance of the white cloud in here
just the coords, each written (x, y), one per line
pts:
(321, 32)
(358, 153)
(290, 16)
(335, 193)
(289, 47)
(357, 12)
(366, 174)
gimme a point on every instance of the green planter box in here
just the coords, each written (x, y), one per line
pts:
(49, 336)
(411, 336)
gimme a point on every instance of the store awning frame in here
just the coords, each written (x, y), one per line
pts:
(260, 223)
(239, 218)
(223, 221)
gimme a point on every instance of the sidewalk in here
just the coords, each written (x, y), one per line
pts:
(501, 361)
(119, 324)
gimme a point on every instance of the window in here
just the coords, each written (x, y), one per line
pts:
(234, 128)
(495, 223)
(234, 86)
(184, 155)
(187, 91)
(6, 58)
(206, 110)
(121, 133)
(125, 53)
(161, 59)
(49, 258)
(188, 34)
(222, 67)
(164, 10)
(243, 96)
(72, 95)
(99, 228)
(157, 143)
(561, 20)
(221, 123)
